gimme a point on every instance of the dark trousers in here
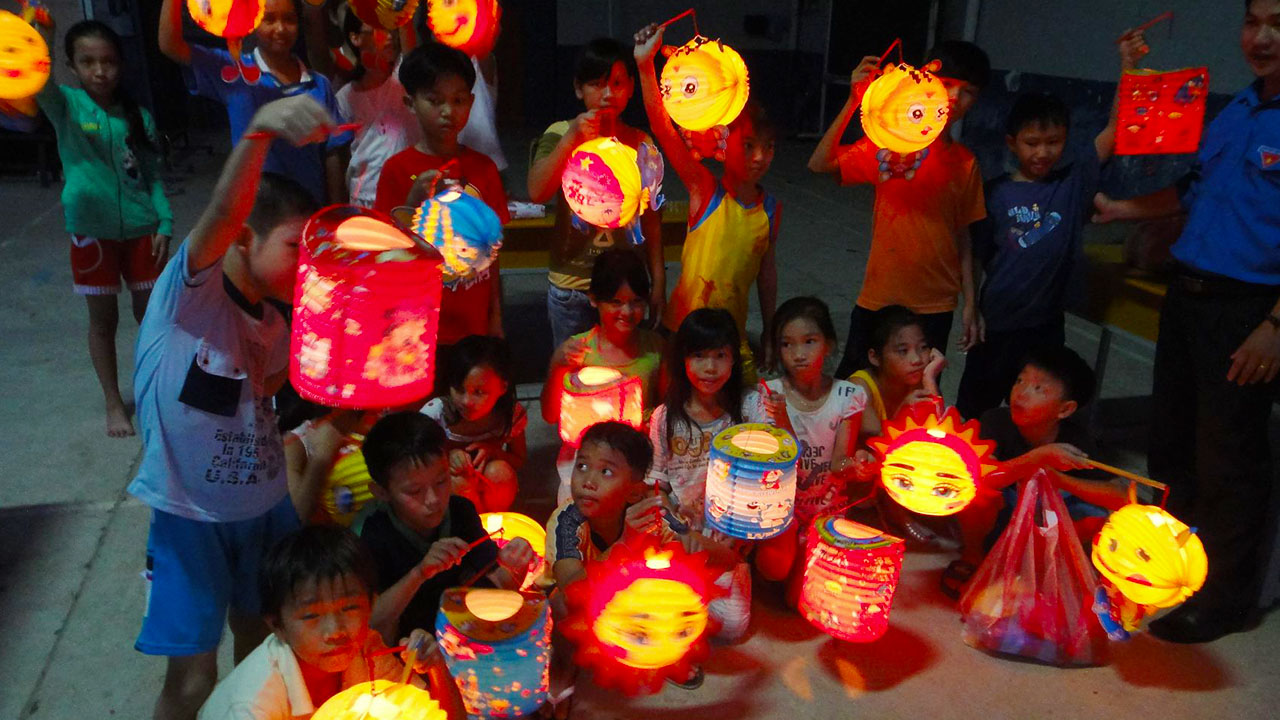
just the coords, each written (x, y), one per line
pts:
(991, 367)
(1209, 438)
(937, 328)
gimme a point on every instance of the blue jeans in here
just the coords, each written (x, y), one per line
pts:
(570, 313)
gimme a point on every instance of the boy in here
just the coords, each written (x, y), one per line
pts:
(421, 537)
(1031, 243)
(210, 355)
(437, 82)
(920, 249)
(317, 594)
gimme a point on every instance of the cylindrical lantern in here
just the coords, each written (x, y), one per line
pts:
(704, 84)
(347, 488)
(467, 25)
(601, 182)
(596, 394)
(463, 229)
(850, 575)
(1150, 556)
(497, 645)
(930, 464)
(751, 481)
(905, 109)
(24, 58)
(507, 526)
(365, 312)
(381, 700)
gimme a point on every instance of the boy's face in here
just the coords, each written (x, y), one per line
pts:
(278, 30)
(442, 109)
(1260, 38)
(962, 95)
(326, 622)
(623, 312)
(273, 260)
(602, 483)
(1038, 399)
(418, 493)
(748, 154)
(613, 90)
(1038, 147)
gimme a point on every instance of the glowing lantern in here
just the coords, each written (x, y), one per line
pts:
(233, 20)
(1161, 112)
(386, 14)
(596, 394)
(465, 231)
(467, 25)
(497, 645)
(704, 84)
(1150, 556)
(347, 488)
(849, 579)
(751, 481)
(381, 700)
(607, 184)
(904, 109)
(507, 526)
(365, 311)
(24, 58)
(931, 464)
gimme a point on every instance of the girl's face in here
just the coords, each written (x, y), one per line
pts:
(613, 90)
(481, 389)
(709, 370)
(623, 312)
(748, 154)
(96, 65)
(803, 349)
(904, 357)
(375, 47)
(279, 28)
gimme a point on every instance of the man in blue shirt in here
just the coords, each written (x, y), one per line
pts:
(1218, 352)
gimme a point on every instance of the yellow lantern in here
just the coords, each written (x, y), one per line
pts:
(601, 182)
(381, 700)
(1151, 557)
(930, 464)
(467, 25)
(704, 84)
(347, 488)
(507, 526)
(24, 58)
(905, 109)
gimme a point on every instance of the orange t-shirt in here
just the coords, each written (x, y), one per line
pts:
(922, 200)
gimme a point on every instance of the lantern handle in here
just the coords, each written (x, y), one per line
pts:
(1167, 15)
(1135, 480)
(690, 11)
(897, 43)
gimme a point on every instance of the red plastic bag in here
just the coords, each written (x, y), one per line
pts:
(1033, 595)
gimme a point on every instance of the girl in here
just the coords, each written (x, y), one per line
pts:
(483, 424)
(116, 211)
(733, 222)
(901, 367)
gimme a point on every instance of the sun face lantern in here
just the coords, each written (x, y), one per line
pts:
(24, 58)
(850, 575)
(467, 25)
(1151, 557)
(347, 489)
(932, 465)
(596, 394)
(385, 14)
(463, 229)
(904, 109)
(497, 646)
(233, 20)
(381, 700)
(365, 311)
(704, 84)
(751, 481)
(507, 526)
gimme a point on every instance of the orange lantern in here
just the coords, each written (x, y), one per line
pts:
(904, 109)
(497, 646)
(932, 462)
(24, 58)
(365, 312)
(596, 394)
(385, 14)
(467, 25)
(1161, 112)
(504, 527)
(233, 20)
(849, 579)
(347, 488)
(381, 700)
(704, 84)
(751, 481)
(1150, 556)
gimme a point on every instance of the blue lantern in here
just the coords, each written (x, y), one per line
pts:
(497, 645)
(463, 228)
(751, 481)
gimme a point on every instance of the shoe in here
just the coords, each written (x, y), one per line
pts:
(693, 682)
(1191, 625)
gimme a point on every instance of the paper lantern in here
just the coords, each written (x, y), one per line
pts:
(704, 84)
(497, 645)
(385, 14)
(930, 464)
(850, 575)
(365, 311)
(905, 109)
(467, 25)
(596, 394)
(347, 487)
(601, 182)
(1150, 556)
(463, 229)
(232, 20)
(751, 481)
(381, 700)
(507, 526)
(24, 58)
(1161, 112)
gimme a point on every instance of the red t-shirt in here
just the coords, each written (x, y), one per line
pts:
(464, 308)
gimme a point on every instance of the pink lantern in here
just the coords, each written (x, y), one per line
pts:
(365, 311)
(849, 579)
(597, 394)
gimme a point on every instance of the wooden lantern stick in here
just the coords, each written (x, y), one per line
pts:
(691, 12)
(1167, 15)
(1135, 478)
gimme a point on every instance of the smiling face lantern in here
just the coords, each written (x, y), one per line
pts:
(932, 465)
(905, 109)
(24, 58)
(704, 84)
(233, 20)
(467, 25)
(1151, 557)
(381, 700)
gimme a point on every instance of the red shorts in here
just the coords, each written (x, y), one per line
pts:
(97, 264)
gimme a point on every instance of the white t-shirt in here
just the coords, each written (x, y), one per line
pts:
(386, 128)
(481, 130)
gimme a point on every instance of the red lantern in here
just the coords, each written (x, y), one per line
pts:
(1160, 112)
(385, 14)
(467, 25)
(365, 312)
(849, 579)
(234, 20)
(597, 394)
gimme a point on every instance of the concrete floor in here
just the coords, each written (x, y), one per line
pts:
(71, 597)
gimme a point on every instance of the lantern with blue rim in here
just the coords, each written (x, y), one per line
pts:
(751, 481)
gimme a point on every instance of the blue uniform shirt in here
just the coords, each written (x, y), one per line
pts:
(1234, 198)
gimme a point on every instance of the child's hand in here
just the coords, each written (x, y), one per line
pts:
(479, 453)
(1108, 210)
(645, 516)
(459, 461)
(442, 555)
(975, 329)
(1133, 47)
(692, 542)
(428, 651)
(937, 362)
(648, 40)
(159, 249)
(422, 186)
(1061, 457)
(298, 119)
(775, 405)
(865, 466)
(593, 124)
(868, 69)
(516, 557)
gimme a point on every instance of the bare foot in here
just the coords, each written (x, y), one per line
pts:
(118, 423)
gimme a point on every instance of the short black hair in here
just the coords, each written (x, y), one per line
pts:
(962, 60)
(598, 57)
(755, 113)
(1037, 108)
(401, 437)
(279, 199)
(807, 307)
(314, 553)
(633, 444)
(429, 62)
(616, 267)
(475, 351)
(885, 323)
(1078, 379)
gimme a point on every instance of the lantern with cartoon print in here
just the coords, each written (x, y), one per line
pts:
(608, 184)
(751, 481)
(704, 84)
(347, 487)
(905, 109)
(381, 700)
(467, 25)
(850, 575)
(385, 14)
(232, 20)
(504, 527)
(461, 227)
(596, 394)
(1161, 112)
(24, 58)
(365, 312)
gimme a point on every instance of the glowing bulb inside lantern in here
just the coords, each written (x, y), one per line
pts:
(366, 233)
(598, 375)
(449, 196)
(936, 433)
(657, 560)
(494, 605)
(493, 523)
(756, 441)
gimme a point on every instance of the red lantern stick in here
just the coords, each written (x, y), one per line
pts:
(895, 44)
(1167, 15)
(690, 11)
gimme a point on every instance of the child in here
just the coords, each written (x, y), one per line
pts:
(424, 539)
(114, 202)
(604, 80)
(482, 421)
(210, 355)
(901, 369)
(317, 597)
(920, 247)
(437, 81)
(1031, 243)
(320, 168)
(733, 222)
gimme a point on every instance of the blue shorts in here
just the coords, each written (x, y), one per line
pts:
(196, 570)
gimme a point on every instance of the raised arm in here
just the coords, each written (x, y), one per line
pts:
(827, 153)
(172, 44)
(544, 173)
(1132, 49)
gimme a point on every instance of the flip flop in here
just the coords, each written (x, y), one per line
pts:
(953, 580)
(551, 709)
(693, 682)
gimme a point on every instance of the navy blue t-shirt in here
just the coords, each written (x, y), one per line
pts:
(1030, 245)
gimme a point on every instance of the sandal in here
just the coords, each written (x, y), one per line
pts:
(559, 706)
(954, 578)
(693, 682)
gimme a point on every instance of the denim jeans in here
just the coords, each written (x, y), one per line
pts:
(991, 367)
(570, 313)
